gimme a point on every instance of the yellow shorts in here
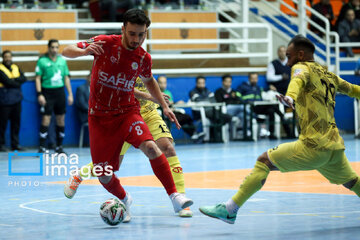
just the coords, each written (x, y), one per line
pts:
(295, 156)
(157, 127)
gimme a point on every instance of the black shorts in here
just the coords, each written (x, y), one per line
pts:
(55, 101)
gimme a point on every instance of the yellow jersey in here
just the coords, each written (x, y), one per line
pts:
(145, 105)
(313, 90)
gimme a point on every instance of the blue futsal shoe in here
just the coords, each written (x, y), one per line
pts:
(219, 211)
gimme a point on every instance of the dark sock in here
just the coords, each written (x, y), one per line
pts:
(60, 134)
(43, 135)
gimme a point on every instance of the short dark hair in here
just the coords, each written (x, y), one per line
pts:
(225, 77)
(199, 77)
(252, 73)
(5, 52)
(136, 16)
(302, 43)
(51, 41)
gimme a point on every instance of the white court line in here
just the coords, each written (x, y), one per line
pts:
(24, 205)
(6, 225)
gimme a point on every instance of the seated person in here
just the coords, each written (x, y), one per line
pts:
(278, 73)
(229, 96)
(82, 100)
(349, 30)
(201, 94)
(232, 99)
(352, 4)
(324, 8)
(251, 92)
(184, 119)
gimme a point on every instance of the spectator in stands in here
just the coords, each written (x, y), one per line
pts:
(112, 7)
(52, 74)
(11, 79)
(184, 119)
(349, 30)
(82, 100)
(324, 8)
(201, 94)
(352, 4)
(231, 97)
(278, 73)
(251, 92)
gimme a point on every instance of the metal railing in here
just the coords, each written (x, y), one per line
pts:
(266, 41)
(329, 56)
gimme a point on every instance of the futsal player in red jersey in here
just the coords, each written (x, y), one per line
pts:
(114, 113)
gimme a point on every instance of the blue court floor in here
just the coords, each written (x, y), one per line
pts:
(34, 207)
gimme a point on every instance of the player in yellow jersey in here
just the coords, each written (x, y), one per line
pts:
(162, 137)
(312, 91)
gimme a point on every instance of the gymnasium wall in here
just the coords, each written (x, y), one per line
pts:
(180, 88)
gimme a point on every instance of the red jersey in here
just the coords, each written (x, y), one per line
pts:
(114, 75)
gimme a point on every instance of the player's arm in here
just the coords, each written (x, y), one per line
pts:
(299, 77)
(347, 88)
(74, 51)
(154, 90)
(147, 96)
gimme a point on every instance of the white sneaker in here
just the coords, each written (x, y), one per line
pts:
(185, 213)
(72, 185)
(127, 203)
(180, 201)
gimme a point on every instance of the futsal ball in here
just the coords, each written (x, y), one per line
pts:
(112, 211)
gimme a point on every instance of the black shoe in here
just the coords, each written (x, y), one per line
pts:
(59, 150)
(3, 148)
(18, 148)
(42, 150)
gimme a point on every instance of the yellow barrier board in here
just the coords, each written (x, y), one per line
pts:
(36, 34)
(184, 17)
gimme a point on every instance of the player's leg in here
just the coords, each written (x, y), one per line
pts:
(164, 141)
(339, 171)
(252, 183)
(166, 146)
(286, 157)
(86, 172)
(161, 169)
(140, 137)
(106, 140)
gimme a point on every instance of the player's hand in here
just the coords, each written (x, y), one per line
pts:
(70, 100)
(168, 113)
(41, 100)
(95, 48)
(287, 101)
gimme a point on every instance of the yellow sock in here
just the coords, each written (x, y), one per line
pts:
(356, 187)
(177, 173)
(252, 183)
(86, 171)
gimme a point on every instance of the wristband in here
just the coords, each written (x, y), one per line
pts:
(39, 93)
